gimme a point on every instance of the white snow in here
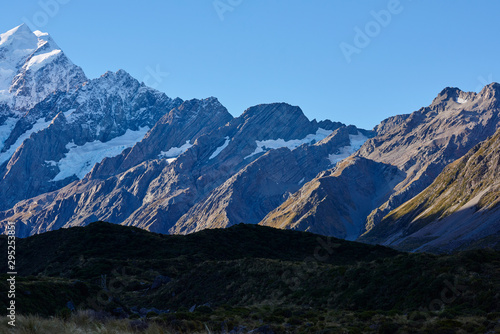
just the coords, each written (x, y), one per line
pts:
(68, 116)
(265, 145)
(356, 141)
(23, 53)
(6, 129)
(15, 46)
(174, 152)
(20, 37)
(7, 73)
(36, 62)
(39, 125)
(461, 100)
(220, 148)
(80, 159)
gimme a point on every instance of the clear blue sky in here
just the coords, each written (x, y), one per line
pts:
(281, 50)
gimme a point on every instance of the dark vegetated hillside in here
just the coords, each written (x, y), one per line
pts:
(64, 252)
(246, 266)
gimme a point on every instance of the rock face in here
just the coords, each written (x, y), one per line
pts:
(263, 184)
(74, 151)
(337, 201)
(61, 138)
(217, 157)
(423, 143)
(165, 188)
(461, 206)
(419, 145)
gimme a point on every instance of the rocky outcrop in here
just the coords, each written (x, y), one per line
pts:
(60, 139)
(423, 143)
(460, 207)
(261, 186)
(336, 202)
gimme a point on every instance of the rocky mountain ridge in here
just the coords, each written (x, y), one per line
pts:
(458, 208)
(74, 151)
(420, 145)
(164, 185)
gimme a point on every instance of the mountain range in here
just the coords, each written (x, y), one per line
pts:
(75, 150)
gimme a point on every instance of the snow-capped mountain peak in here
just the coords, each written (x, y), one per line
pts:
(15, 47)
(32, 66)
(21, 37)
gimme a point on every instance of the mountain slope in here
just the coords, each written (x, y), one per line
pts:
(115, 196)
(419, 145)
(167, 182)
(458, 208)
(423, 143)
(71, 131)
(264, 184)
(336, 202)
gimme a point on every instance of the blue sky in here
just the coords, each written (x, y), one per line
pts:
(349, 61)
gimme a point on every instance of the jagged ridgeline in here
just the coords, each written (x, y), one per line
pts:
(177, 179)
(75, 150)
(114, 149)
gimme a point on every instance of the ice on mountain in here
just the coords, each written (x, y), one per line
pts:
(39, 125)
(220, 148)
(174, 152)
(265, 145)
(6, 129)
(356, 141)
(36, 62)
(80, 159)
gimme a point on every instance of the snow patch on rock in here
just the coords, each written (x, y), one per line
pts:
(220, 148)
(39, 125)
(80, 159)
(174, 152)
(356, 142)
(266, 145)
